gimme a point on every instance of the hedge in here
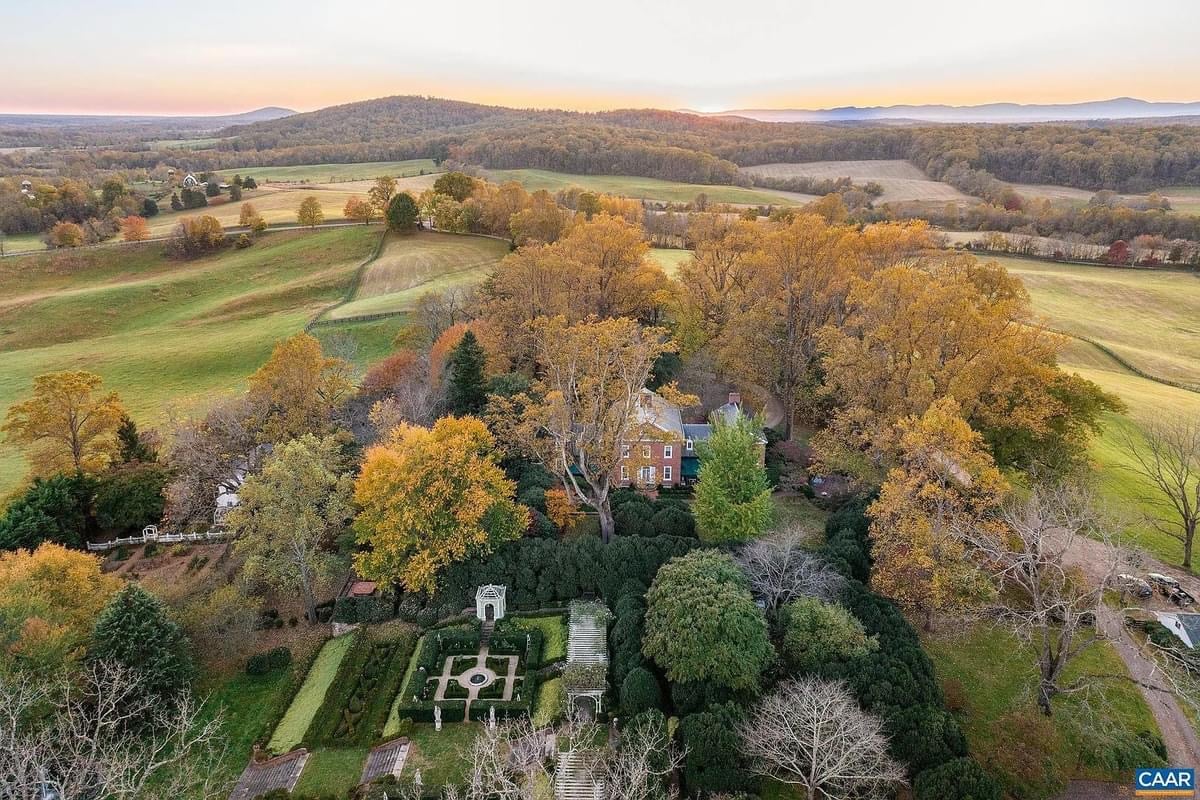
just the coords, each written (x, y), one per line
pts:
(308, 700)
(897, 681)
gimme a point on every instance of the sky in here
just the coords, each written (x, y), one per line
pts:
(214, 57)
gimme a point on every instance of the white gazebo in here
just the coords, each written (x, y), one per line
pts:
(489, 602)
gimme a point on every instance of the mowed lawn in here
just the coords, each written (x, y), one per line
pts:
(336, 173)
(169, 335)
(308, 699)
(670, 259)
(1151, 319)
(643, 188)
(901, 181)
(411, 266)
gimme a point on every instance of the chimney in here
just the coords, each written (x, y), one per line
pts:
(735, 398)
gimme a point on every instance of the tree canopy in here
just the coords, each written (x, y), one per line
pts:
(733, 497)
(67, 424)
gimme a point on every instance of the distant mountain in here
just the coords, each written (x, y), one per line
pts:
(1117, 108)
(210, 123)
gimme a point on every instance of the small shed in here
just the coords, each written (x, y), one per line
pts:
(26, 185)
(190, 181)
(489, 602)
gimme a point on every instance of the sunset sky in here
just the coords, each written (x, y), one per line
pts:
(137, 56)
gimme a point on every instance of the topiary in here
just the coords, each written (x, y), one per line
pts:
(640, 692)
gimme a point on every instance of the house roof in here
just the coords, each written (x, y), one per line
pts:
(1185, 626)
(651, 409)
(490, 591)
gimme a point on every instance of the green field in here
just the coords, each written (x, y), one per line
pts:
(999, 675)
(337, 173)
(291, 729)
(411, 266)
(669, 258)
(170, 335)
(22, 242)
(1147, 318)
(641, 188)
(1151, 319)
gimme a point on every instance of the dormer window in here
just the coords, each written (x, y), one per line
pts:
(690, 445)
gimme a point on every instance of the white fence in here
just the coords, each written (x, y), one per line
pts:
(150, 534)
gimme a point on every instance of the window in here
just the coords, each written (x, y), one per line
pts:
(645, 451)
(624, 472)
(624, 451)
(646, 476)
(690, 445)
(666, 474)
(668, 451)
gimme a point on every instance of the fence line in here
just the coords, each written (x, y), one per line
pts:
(150, 534)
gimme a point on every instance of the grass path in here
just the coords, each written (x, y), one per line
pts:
(299, 716)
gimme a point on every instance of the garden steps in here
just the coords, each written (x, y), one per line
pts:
(573, 780)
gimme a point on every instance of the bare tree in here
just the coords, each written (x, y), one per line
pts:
(639, 767)
(1168, 455)
(102, 737)
(210, 455)
(1044, 598)
(780, 569)
(812, 733)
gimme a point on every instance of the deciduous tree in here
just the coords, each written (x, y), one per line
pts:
(68, 424)
(380, 195)
(946, 482)
(310, 212)
(1167, 454)
(134, 229)
(432, 497)
(359, 210)
(298, 389)
(812, 734)
(455, 184)
(582, 408)
(289, 515)
(66, 234)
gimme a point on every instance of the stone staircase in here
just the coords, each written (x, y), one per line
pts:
(485, 633)
(573, 780)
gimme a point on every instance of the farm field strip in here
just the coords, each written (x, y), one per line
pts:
(336, 173)
(411, 266)
(901, 181)
(645, 188)
(1184, 199)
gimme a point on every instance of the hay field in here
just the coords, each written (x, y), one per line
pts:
(1151, 319)
(276, 205)
(411, 266)
(645, 188)
(901, 181)
(168, 334)
(1184, 199)
(336, 173)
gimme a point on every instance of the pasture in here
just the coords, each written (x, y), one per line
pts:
(278, 206)
(1147, 317)
(169, 335)
(336, 173)
(645, 188)
(410, 266)
(1184, 199)
(901, 181)
(669, 259)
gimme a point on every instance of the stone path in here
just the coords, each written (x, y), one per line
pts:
(480, 668)
(386, 759)
(281, 772)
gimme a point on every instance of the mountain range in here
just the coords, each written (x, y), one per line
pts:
(1117, 108)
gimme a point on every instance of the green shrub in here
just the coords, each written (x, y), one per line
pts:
(640, 692)
(960, 779)
(548, 708)
(816, 633)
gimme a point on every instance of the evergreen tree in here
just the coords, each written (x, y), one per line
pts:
(466, 388)
(733, 496)
(54, 509)
(402, 213)
(133, 447)
(176, 203)
(136, 631)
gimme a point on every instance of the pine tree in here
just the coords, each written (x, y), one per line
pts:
(133, 447)
(135, 630)
(733, 497)
(466, 389)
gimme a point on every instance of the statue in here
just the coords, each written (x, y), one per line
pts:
(492, 717)
(417, 778)
(437, 718)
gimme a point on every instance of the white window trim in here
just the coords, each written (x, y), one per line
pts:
(667, 473)
(645, 451)
(624, 451)
(624, 472)
(690, 445)
(668, 451)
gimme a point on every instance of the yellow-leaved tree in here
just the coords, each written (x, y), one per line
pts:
(430, 498)
(310, 212)
(49, 599)
(68, 424)
(298, 389)
(945, 482)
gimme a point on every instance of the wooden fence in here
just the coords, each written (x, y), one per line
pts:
(150, 534)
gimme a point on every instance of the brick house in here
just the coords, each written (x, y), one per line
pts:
(665, 452)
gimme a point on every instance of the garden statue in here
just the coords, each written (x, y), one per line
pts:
(437, 718)
(492, 717)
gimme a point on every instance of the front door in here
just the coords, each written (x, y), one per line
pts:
(646, 476)
(489, 612)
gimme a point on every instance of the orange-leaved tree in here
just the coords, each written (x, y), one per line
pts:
(298, 389)
(134, 229)
(430, 498)
(946, 481)
(68, 424)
